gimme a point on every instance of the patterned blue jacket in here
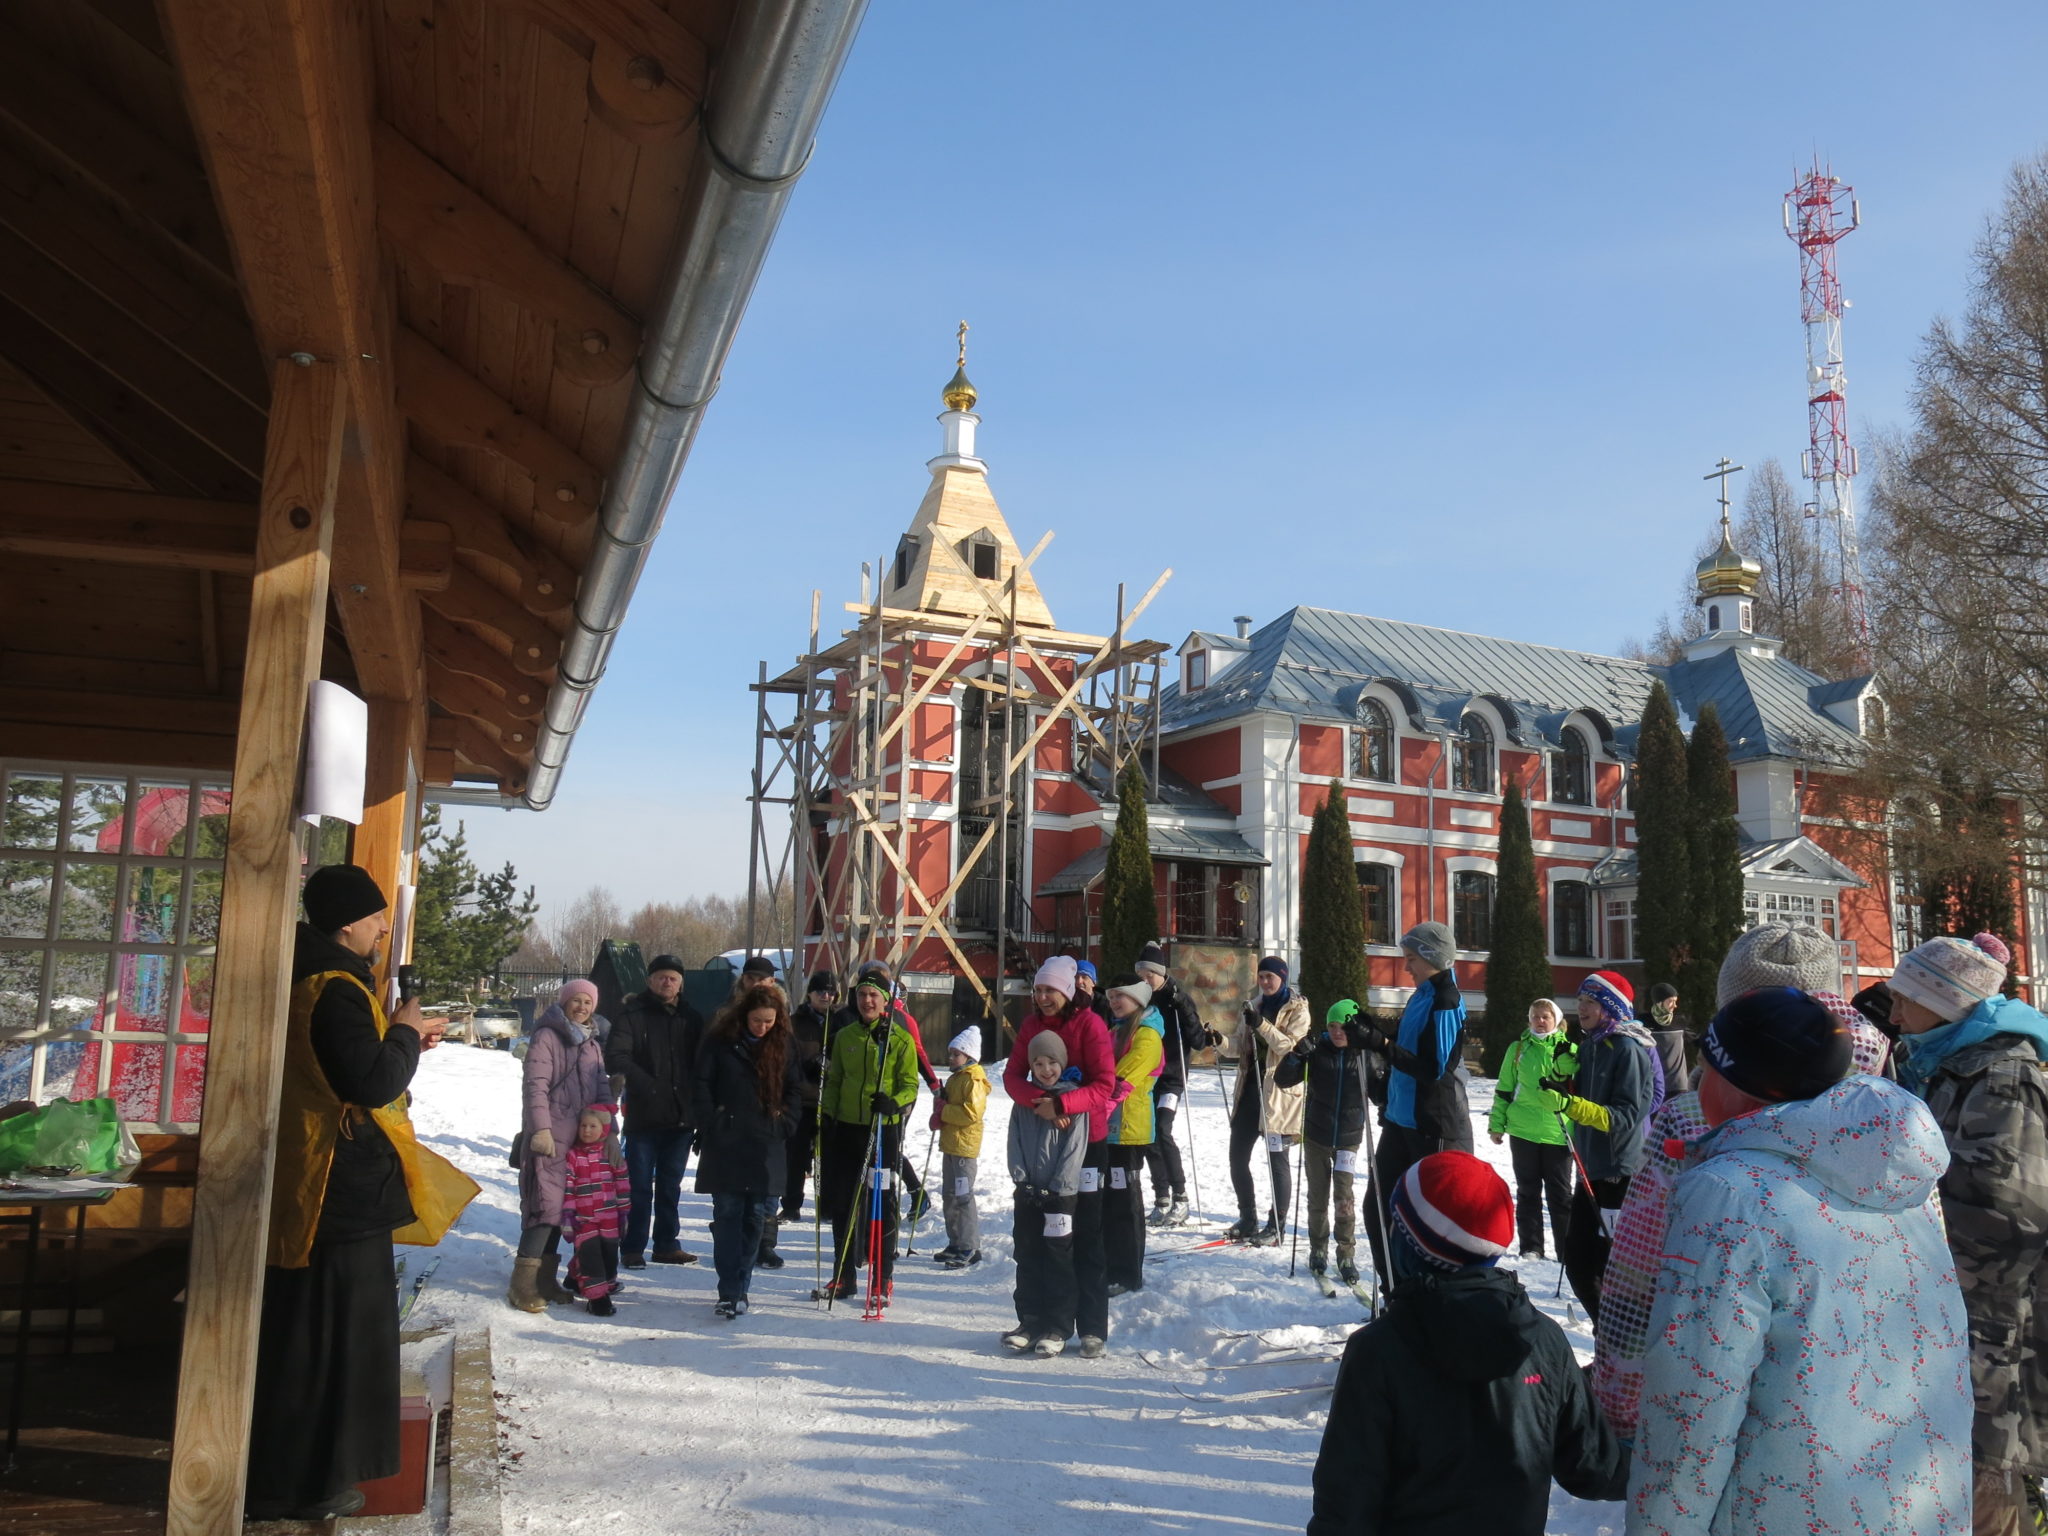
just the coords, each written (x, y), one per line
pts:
(1809, 1363)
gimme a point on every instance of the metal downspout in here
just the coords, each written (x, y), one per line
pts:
(767, 99)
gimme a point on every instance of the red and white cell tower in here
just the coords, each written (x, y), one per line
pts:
(1819, 211)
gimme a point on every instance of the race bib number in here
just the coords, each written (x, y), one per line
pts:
(963, 1186)
(1059, 1224)
(1168, 1103)
(1119, 1179)
(1091, 1181)
(1275, 1143)
(1345, 1162)
(882, 1178)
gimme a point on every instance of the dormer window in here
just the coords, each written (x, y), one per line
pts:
(983, 556)
(1571, 775)
(1472, 759)
(1197, 669)
(906, 557)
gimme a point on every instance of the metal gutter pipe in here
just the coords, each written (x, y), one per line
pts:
(767, 98)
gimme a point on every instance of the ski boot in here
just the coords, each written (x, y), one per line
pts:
(833, 1290)
(1244, 1230)
(1177, 1213)
(1161, 1210)
(1318, 1261)
(946, 1255)
(1347, 1267)
(964, 1260)
(1267, 1236)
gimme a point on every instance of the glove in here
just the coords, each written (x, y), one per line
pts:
(1585, 1112)
(1561, 1086)
(1371, 1036)
(541, 1143)
(938, 1119)
(1212, 1037)
(884, 1105)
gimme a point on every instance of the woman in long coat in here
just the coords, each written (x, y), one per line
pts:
(564, 1076)
(746, 1097)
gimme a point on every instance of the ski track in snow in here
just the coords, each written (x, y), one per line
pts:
(1205, 1415)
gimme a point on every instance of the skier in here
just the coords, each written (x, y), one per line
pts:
(813, 1022)
(1140, 1048)
(1526, 1115)
(870, 1084)
(1089, 1051)
(746, 1098)
(1274, 1023)
(1183, 1035)
(1424, 1107)
(1618, 1087)
(1976, 1057)
(1812, 1365)
(1456, 1407)
(595, 1198)
(916, 1201)
(1333, 1122)
(957, 1119)
(1047, 1153)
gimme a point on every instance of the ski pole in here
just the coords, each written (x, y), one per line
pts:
(925, 1179)
(884, 1166)
(1300, 1178)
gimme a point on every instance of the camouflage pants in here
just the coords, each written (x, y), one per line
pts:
(1999, 1502)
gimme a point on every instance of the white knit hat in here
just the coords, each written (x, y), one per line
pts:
(967, 1043)
(1139, 992)
(1057, 973)
(1950, 977)
(1796, 955)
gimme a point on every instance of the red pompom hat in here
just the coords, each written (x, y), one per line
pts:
(1455, 1209)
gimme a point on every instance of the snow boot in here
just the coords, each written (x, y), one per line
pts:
(728, 1310)
(1177, 1213)
(1017, 1339)
(524, 1291)
(632, 1261)
(677, 1255)
(601, 1306)
(767, 1257)
(551, 1289)
(1244, 1230)
(1092, 1347)
(964, 1260)
(946, 1255)
(1045, 1346)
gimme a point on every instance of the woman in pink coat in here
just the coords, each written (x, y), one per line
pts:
(564, 1076)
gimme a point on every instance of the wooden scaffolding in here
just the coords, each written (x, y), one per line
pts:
(836, 782)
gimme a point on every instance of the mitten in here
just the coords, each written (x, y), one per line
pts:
(614, 1153)
(541, 1143)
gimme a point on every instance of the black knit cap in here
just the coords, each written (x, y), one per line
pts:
(665, 963)
(823, 981)
(1152, 955)
(1663, 992)
(1777, 1044)
(339, 894)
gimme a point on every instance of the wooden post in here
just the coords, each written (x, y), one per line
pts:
(390, 815)
(252, 978)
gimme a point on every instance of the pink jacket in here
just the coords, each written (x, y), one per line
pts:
(1087, 1041)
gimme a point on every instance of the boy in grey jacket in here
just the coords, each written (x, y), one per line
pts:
(1045, 1164)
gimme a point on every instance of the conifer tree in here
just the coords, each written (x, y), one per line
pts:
(466, 923)
(1518, 965)
(1332, 917)
(1716, 864)
(1664, 919)
(1130, 907)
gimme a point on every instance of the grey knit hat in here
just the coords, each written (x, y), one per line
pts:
(1433, 944)
(1794, 955)
(1046, 1043)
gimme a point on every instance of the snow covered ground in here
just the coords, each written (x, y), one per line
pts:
(1205, 1415)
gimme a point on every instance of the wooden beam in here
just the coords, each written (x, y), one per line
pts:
(252, 975)
(143, 362)
(280, 101)
(82, 522)
(462, 411)
(65, 219)
(462, 695)
(385, 837)
(185, 713)
(472, 744)
(433, 216)
(469, 599)
(547, 582)
(648, 71)
(460, 651)
(77, 122)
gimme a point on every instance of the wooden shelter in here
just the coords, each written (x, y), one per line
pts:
(352, 341)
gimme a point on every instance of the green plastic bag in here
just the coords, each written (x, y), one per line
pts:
(86, 1135)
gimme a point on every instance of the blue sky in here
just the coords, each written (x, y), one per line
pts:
(1435, 313)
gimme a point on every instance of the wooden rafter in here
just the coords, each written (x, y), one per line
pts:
(469, 599)
(647, 70)
(547, 582)
(126, 527)
(460, 651)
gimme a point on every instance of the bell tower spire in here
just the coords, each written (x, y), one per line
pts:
(1726, 581)
(958, 418)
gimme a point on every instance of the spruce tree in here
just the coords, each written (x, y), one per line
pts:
(1664, 919)
(1130, 907)
(1332, 917)
(1518, 966)
(1716, 864)
(465, 923)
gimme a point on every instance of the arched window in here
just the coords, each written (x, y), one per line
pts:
(1472, 908)
(1376, 897)
(1571, 770)
(1713, 616)
(1372, 743)
(1571, 918)
(1472, 756)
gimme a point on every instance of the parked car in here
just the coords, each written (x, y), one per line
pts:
(495, 1028)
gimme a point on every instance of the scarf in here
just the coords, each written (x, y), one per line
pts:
(1925, 1054)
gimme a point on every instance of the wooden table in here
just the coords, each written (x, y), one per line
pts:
(35, 1202)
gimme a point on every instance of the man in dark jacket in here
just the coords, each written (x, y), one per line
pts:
(1456, 1407)
(326, 1414)
(653, 1046)
(1182, 1026)
(1424, 1108)
(1332, 1124)
(816, 1019)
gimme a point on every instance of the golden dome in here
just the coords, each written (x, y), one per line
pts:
(959, 394)
(1725, 573)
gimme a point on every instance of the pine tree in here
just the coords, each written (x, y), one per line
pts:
(1518, 965)
(465, 923)
(1716, 864)
(1130, 905)
(1664, 919)
(1332, 917)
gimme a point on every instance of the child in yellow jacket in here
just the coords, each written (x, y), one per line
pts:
(957, 1119)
